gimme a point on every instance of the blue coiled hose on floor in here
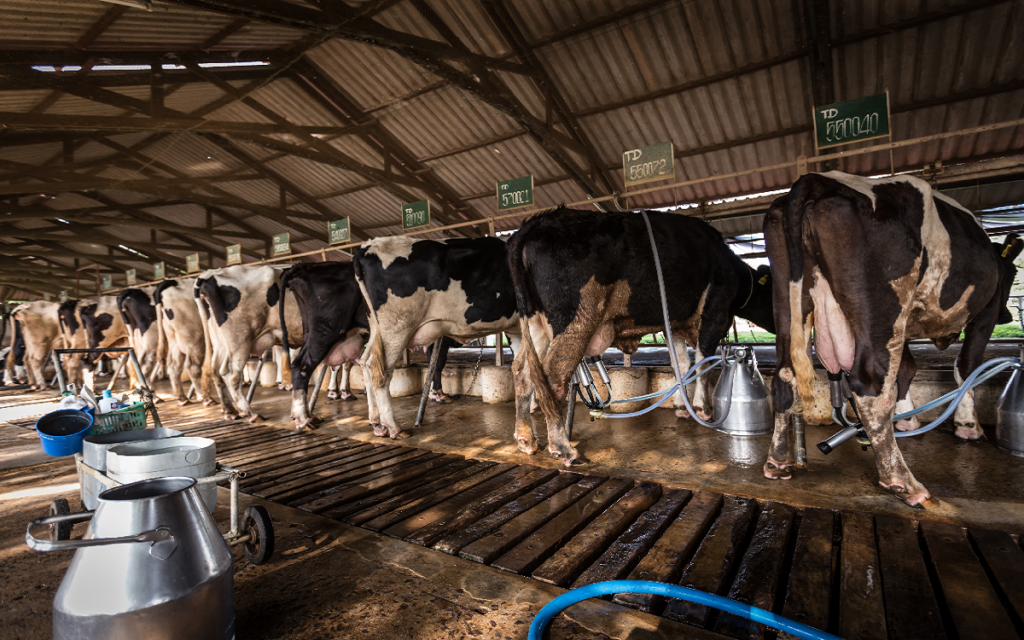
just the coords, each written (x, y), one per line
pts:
(564, 601)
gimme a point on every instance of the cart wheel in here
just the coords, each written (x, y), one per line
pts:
(258, 529)
(60, 531)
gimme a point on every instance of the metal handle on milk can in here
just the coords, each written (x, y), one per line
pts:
(161, 539)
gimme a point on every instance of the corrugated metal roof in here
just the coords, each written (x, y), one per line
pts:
(728, 83)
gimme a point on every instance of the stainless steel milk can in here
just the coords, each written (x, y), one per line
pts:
(152, 565)
(741, 391)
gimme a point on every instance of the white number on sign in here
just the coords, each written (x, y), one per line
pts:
(646, 170)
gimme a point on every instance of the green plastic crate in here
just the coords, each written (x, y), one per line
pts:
(129, 418)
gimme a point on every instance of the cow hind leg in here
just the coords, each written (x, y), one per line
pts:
(345, 385)
(683, 357)
(526, 438)
(965, 419)
(904, 404)
(332, 384)
(392, 355)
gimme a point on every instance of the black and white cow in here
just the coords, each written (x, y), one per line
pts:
(419, 290)
(73, 333)
(185, 338)
(104, 328)
(869, 264)
(586, 281)
(37, 323)
(334, 324)
(139, 314)
(238, 306)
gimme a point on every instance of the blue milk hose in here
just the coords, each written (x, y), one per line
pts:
(756, 614)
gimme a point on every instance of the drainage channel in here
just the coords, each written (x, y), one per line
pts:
(854, 574)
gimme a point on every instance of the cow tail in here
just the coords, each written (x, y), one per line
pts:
(517, 265)
(285, 277)
(9, 363)
(799, 330)
(162, 347)
(375, 348)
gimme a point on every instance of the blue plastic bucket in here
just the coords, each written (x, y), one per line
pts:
(61, 432)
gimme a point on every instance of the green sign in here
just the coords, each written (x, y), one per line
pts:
(129, 276)
(158, 270)
(648, 164)
(282, 244)
(338, 231)
(852, 121)
(234, 254)
(515, 193)
(105, 282)
(64, 295)
(46, 297)
(192, 263)
(415, 214)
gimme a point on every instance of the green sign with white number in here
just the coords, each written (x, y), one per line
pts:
(129, 276)
(415, 214)
(852, 121)
(105, 282)
(192, 262)
(64, 295)
(338, 231)
(282, 244)
(158, 270)
(515, 193)
(648, 164)
(234, 254)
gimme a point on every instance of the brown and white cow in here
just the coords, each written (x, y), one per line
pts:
(238, 306)
(419, 290)
(869, 264)
(185, 337)
(37, 323)
(139, 314)
(586, 281)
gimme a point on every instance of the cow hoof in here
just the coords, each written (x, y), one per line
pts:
(919, 500)
(702, 415)
(682, 413)
(777, 470)
(182, 402)
(230, 416)
(379, 430)
(439, 397)
(207, 402)
(577, 460)
(254, 418)
(401, 435)
(969, 431)
(348, 397)
(908, 425)
(528, 447)
(332, 395)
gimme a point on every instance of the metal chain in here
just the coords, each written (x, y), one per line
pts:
(476, 371)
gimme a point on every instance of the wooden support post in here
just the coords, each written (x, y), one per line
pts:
(627, 360)
(499, 350)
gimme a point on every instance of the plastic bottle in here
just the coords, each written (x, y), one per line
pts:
(107, 403)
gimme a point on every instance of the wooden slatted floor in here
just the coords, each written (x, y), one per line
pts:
(854, 574)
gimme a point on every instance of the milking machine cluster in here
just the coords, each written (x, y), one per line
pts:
(1009, 409)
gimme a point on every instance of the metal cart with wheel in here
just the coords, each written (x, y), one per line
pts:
(253, 528)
